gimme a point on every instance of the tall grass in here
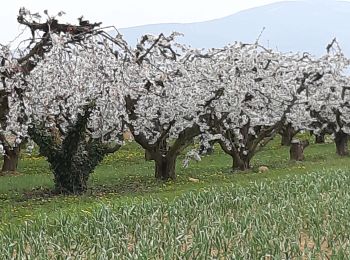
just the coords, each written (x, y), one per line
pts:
(301, 216)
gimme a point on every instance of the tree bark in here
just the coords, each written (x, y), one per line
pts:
(165, 167)
(68, 182)
(71, 169)
(72, 174)
(240, 163)
(341, 142)
(287, 133)
(11, 158)
(296, 150)
(148, 156)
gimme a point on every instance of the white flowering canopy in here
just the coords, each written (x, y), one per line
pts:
(329, 97)
(254, 88)
(250, 87)
(71, 77)
(8, 64)
(163, 88)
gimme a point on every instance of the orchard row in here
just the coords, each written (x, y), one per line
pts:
(75, 89)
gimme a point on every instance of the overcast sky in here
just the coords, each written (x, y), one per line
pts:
(124, 13)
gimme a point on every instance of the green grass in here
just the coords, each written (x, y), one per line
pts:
(125, 181)
(299, 216)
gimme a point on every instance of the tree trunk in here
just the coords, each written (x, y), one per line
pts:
(148, 156)
(11, 158)
(71, 177)
(341, 142)
(286, 139)
(71, 174)
(70, 182)
(165, 168)
(287, 134)
(296, 150)
(320, 139)
(240, 163)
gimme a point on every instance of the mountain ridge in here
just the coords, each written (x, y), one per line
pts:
(289, 26)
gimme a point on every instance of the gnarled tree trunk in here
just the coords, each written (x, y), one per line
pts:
(72, 156)
(148, 156)
(72, 171)
(287, 133)
(165, 167)
(296, 151)
(11, 158)
(70, 182)
(341, 142)
(240, 163)
(71, 174)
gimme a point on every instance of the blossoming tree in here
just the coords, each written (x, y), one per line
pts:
(15, 62)
(162, 100)
(256, 90)
(72, 107)
(329, 99)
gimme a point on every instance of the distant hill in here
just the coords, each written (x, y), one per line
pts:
(289, 26)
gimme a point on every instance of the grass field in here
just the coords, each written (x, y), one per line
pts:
(294, 210)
